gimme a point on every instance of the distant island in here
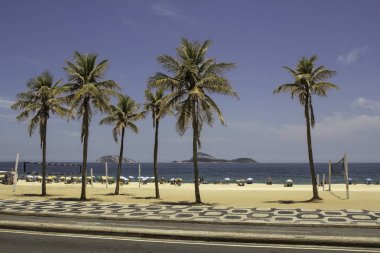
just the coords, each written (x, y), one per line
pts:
(113, 159)
(206, 158)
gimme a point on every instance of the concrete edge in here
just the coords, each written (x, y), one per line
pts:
(279, 224)
(367, 242)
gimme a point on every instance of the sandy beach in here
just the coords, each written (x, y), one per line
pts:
(255, 195)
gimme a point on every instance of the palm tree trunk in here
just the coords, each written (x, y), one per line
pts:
(85, 126)
(310, 152)
(117, 189)
(195, 157)
(44, 130)
(155, 159)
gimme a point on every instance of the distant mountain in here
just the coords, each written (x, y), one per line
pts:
(113, 159)
(206, 158)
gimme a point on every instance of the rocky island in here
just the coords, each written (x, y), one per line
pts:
(206, 158)
(113, 159)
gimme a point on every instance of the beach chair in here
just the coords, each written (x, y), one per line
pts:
(178, 181)
(240, 182)
(49, 179)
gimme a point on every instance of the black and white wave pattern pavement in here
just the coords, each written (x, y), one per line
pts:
(191, 213)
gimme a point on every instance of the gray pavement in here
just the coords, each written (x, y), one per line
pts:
(193, 213)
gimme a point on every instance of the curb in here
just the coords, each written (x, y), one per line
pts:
(251, 223)
(369, 242)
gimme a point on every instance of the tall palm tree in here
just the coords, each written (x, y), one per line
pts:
(193, 78)
(123, 116)
(88, 93)
(308, 80)
(41, 98)
(154, 102)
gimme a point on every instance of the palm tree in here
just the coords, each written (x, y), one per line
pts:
(88, 93)
(154, 102)
(123, 116)
(40, 99)
(308, 80)
(193, 78)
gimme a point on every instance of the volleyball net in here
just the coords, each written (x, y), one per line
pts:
(339, 172)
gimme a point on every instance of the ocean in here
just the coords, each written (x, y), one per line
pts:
(215, 172)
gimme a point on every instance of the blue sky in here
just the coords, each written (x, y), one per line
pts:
(259, 36)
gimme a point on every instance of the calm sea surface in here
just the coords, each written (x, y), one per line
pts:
(279, 172)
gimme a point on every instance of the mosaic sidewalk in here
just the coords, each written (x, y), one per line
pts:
(188, 213)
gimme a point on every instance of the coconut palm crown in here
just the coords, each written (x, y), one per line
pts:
(41, 98)
(192, 78)
(88, 93)
(122, 116)
(309, 80)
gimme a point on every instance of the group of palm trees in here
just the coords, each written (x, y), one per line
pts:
(189, 81)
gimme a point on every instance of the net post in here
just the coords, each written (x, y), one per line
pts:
(318, 180)
(139, 175)
(346, 175)
(92, 178)
(330, 175)
(323, 182)
(106, 175)
(15, 173)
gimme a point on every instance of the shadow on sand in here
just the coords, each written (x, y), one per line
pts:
(35, 195)
(76, 199)
(185, 203)
(287, 202)
(112, 194)
(144, 198)
(337, 196)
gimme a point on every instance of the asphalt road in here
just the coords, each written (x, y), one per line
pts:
(241, 228)
(12, 241)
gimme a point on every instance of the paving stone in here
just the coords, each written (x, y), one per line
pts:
(194, 213)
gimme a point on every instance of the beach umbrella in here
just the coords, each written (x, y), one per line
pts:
(368, 181)
(152, 178)
(172, 179)
(131, 177)
(227, 179)
(124, 178)
(249, 180)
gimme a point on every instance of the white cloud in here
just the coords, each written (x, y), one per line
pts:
(352, 56)
(366, 104)
(165, 11)
(332, 136)
(7, 117)
(5, 103)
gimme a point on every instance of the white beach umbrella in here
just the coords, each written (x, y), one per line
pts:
(131, 177)
(227, 179)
